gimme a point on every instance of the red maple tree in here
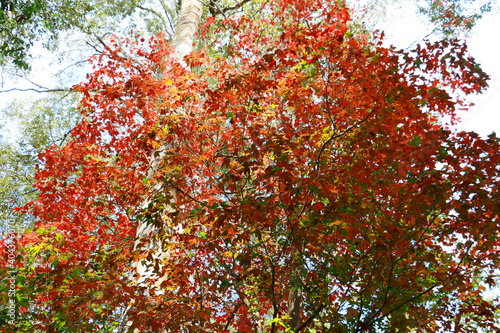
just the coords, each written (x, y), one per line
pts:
(305, 177)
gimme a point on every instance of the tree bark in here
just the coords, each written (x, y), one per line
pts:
(146, 239)
(187, 27)
(182, 43)
(294, 306)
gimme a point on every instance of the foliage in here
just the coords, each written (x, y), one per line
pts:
(41, 124)
(454, 17)
(23, 22)
(444, 19)
(317, 187)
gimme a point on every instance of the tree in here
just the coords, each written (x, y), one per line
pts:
(305, 180)
(446, 19)
(45, 121)
(25, 22)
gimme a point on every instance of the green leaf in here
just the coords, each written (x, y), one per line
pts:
(415, 141)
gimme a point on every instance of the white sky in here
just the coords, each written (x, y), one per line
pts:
(484, 45)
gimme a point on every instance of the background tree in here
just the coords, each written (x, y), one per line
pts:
(447, 19)
(26, 22)
(41, 124)
(454, 16)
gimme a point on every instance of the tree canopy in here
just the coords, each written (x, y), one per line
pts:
(300, 175)
(24, 22)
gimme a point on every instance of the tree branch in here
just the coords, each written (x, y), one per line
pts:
(37, 90)
(167, 10)
(215, 9)
(154, 12)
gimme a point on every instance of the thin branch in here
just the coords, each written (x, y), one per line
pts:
(154, 12)
(37, 90)
(419, 40)
(38, 85)
(41, 89)
(166, 9)
(71, 65)
(346, 131)
(237, 6)
(94, 47)
(233, 314)
(311, 317)
(103, 43)
(216, 10)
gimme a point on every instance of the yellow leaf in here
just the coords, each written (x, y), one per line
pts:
(336, 223)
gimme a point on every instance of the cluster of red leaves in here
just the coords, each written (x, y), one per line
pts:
(308, 161)
(90, 190)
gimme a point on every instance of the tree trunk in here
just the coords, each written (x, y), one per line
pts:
(146, 235)
(294, 298)
(187, 27)
(182, 42)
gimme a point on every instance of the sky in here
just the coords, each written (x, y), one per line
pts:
(485, 47)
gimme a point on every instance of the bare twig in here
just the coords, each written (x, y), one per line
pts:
(37, 90)
(71, 65)
(154, 12)
(215, 9)
(167, 10)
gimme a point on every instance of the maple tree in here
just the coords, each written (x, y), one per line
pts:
(293, 176)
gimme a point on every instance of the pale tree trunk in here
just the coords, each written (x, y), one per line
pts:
(187, 27)
(182, 43)
(294, 307)
(147, 239)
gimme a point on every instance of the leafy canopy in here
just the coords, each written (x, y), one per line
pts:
(315, 177)
(22, 22)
